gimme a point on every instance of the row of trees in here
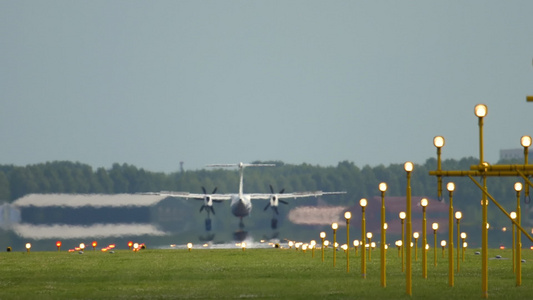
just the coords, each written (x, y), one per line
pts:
(69, 177)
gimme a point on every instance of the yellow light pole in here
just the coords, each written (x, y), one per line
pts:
(312, 244)
(408, 167)
(322, 237)
(450, 187)
(435, 227)
(513, 217)
(438, 142)
(363, 202)
(369, 237)
(424, 204)
(416, 235)
(402, 218)
(518, 188)
(480, 111)
(347, 216)
(463, 238)
(458, 216)
(443, 245)
(356, 246)
(383, 188)
(525, 141)
(399, 245)
(334, 226)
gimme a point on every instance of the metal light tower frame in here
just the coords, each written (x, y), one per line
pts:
(484, 170)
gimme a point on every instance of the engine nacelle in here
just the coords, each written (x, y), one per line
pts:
(208, 201)
(274, 201)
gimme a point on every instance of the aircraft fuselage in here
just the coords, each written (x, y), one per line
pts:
(241, 206)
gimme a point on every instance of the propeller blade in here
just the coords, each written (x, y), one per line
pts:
(202, 208)
(276, 210)
(282, 190)
(215, 190)
(283, 201)
(267, 206)
(212, 209)
(271, 189)
(203, 189)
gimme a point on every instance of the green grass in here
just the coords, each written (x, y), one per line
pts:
(254, 273)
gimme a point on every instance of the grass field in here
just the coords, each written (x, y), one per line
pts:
(254, 273)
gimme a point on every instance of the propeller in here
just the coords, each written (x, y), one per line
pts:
(208, 202)
(274, 200)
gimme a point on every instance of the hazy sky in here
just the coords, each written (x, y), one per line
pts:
(153, 83)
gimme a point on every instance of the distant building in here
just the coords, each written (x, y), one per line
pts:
(512, 154)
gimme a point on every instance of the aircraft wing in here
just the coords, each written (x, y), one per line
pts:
(294, 195)
(188, 195)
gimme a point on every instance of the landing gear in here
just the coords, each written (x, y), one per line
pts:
(208, 224)
(274, 223)
(240, 235)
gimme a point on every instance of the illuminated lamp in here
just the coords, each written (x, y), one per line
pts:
(58, 245)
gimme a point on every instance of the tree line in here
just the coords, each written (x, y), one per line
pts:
(75, 177)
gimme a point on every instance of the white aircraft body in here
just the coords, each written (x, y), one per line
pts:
(241, 203)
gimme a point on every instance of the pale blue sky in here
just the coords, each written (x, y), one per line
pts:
(153, 83)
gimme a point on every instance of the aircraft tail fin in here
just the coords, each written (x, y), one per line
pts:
(241, 167)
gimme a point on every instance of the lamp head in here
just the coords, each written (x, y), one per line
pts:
(408, 166)
(518, 186)
(525, 141)
(322, 235)
(369, 235)
(416, 235)
(480, 110)
(356, 243)
(383, 187)
(334, 226)
(402, 215)
(463, 235)
(450, 186)
(458, 215)
(438, 141)
(443, 243)
(424, 202)
(435, 226)
(513, 215)
(347, 215)
(363, 202)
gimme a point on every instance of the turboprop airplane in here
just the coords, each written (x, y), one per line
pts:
(241, 203)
